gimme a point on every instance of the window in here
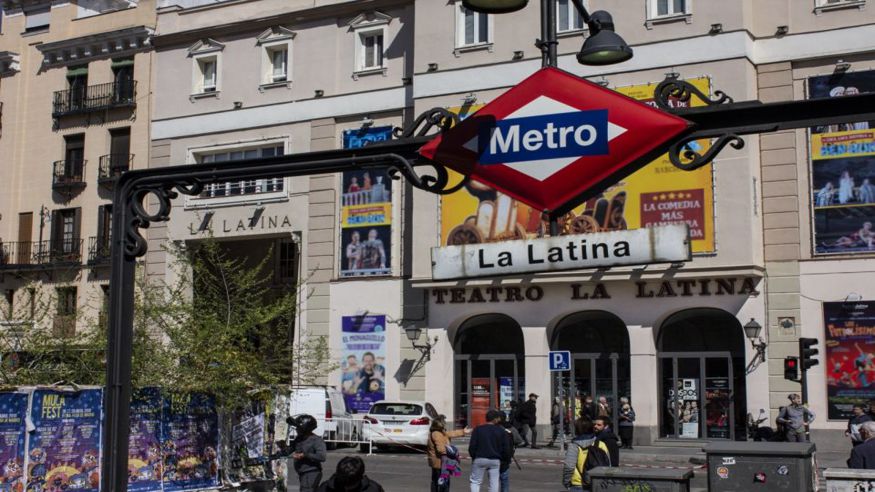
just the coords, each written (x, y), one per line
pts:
(37, 18)
(276, 44)
(286, 271)
(371, 32)
(77, 85)
(246, 187)
(371, 50)
(668, 8)
(208, 79)
(207, 67)
(65, 317)
(472, 28)
(279, 60)
(65, 242)
(567, 17)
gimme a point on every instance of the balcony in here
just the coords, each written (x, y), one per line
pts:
(112, 166)
(68, 175)
(93, 98)
(24, 255)
(98, 250)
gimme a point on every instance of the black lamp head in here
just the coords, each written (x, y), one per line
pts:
(494, 6)
(603, 46)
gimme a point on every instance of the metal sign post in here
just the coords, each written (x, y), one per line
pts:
(560, 361)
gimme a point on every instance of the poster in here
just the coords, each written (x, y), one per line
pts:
(366, 212)
(480, 398)
(364, 360)
(64, 447)
(843, 171)
(850, 355)
(248, 433)
(144, 448)
(190, 430)
(505, 394)
(13, 410)
(656, 194)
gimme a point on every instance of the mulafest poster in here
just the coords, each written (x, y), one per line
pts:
(13, 410)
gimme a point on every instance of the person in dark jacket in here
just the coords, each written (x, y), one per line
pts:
(588, 409)
(863, 456)
(627, 423)
(601, 426)
(350, 477)
(308, 451)
(528, 415)
(515, 441)
(488, 447)
(858, 419)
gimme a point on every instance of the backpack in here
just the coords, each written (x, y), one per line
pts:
(595, 457)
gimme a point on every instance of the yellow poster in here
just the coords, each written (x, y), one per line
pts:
(659, 193)
(842, 144)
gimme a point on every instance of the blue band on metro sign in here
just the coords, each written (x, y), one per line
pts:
(550, 136)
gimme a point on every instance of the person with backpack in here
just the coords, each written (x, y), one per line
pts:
(585, 453)
(514, 440)
(350, 477)
(308, 452)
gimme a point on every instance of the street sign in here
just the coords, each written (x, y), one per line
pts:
(560, 360)
(555, 139)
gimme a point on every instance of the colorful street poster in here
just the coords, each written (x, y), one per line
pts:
(247, 433)
(843, 171)
(13, 411)
(64, 447)
(850, 355)
(364, 360)
(190, 430)
(144, 443)
(366, 212)
(656, 194)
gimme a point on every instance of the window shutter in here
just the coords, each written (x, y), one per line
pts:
(37, 17)
(77, 224)
(57, 229)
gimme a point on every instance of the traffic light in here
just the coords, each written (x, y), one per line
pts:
(807, 353)
(791, 368)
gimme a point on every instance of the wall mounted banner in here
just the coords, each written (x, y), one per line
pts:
(144, 444)
(843, 171)
(13, 410)
(661, 244)
(366, 212)
(64, 448)
(850, 355)
(190, 430)
(364, 360)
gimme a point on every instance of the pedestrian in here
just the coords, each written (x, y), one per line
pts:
(796, 417)
(308, 452)
(514, 440)
(601, 427)
(871, 411)
(489, 446)
(863, 456)
(588, 410)
(574, 468)
(350, 477)
(528, 414)
(556, 413)
(514, 419)
(859, 418)
(626, 423)
(442, 457)
(604, 409)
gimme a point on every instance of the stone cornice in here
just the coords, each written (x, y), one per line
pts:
(83, 49)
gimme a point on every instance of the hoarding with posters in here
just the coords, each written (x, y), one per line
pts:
(190, 432)
(843, 172)
(364, 360)
(144, 443)
(366, 212)
(657, 194)
(13, 410)
(850, 355)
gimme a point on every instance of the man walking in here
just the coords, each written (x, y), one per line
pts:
(601, 427)
(863, 456)
(489, 446)
(795, 417)
(528, 414)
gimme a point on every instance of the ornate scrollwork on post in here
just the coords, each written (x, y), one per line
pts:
(435, 117)
(437, 183)
(685, 157)
(683, 91)
(138, 216)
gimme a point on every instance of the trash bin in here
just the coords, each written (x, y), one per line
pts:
(608, 479)
(845, 480)
(751, 466)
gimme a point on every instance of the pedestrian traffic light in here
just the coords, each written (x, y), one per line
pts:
(807, 353)
(791, 368)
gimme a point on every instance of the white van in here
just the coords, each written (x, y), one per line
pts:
(326, 404)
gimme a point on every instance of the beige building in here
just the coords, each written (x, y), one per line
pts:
(75, 112)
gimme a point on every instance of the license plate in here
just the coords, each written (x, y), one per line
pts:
(397, 431)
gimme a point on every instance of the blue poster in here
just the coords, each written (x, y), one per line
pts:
(364, 361)
(64, 448)
(13, 410)
(190, 432)
(144, 444)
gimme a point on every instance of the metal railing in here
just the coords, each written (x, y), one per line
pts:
(238, 188)
(68, 173)
(98, 250)
(95, 98)
(21, 254)
(111, 166)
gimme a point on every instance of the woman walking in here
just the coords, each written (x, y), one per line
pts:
(627, 422)
(443, 458)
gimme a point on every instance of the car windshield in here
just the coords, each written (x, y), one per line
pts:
(396, 409)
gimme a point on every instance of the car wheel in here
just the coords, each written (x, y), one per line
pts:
(355, 438)
(331, 446)
(365, 448)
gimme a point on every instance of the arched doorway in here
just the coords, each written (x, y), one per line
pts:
(599, 346)
(489, 366)
(701, 375)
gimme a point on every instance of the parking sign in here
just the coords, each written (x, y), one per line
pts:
(560, 360)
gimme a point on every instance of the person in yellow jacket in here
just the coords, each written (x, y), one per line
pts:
(576, 455)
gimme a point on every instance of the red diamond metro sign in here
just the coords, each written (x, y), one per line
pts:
(555, 139)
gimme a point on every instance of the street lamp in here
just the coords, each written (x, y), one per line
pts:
(602, 47)
(752, 330)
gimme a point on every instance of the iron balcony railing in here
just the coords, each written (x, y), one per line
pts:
(68, 173)
(99, 97)
(98, 250)
(111, 166)
(25, 254)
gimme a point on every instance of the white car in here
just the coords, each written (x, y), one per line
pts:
(326, 404)
(397, 423)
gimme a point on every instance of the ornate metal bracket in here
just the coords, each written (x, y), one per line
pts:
(683, 91)
(685, 155)
(138, 217)
(435, 117)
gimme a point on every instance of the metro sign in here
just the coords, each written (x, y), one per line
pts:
(555, 140)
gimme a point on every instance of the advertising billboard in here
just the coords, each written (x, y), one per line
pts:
(363, 365)
(13, 410)
(850, 355)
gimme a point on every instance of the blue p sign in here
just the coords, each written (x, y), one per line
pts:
(560, 360)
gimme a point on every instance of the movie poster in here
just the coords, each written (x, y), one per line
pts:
(366, 212)
(13, 410)
(850, 355)
(144, 443)
(843, 171)
(364, 360)
(190, 430)
(656, 194)
(64, 447)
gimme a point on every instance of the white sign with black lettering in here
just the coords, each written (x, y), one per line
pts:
(662, 244)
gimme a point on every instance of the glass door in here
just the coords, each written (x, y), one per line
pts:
(719, 416)
(697, 396)
(484, 382)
